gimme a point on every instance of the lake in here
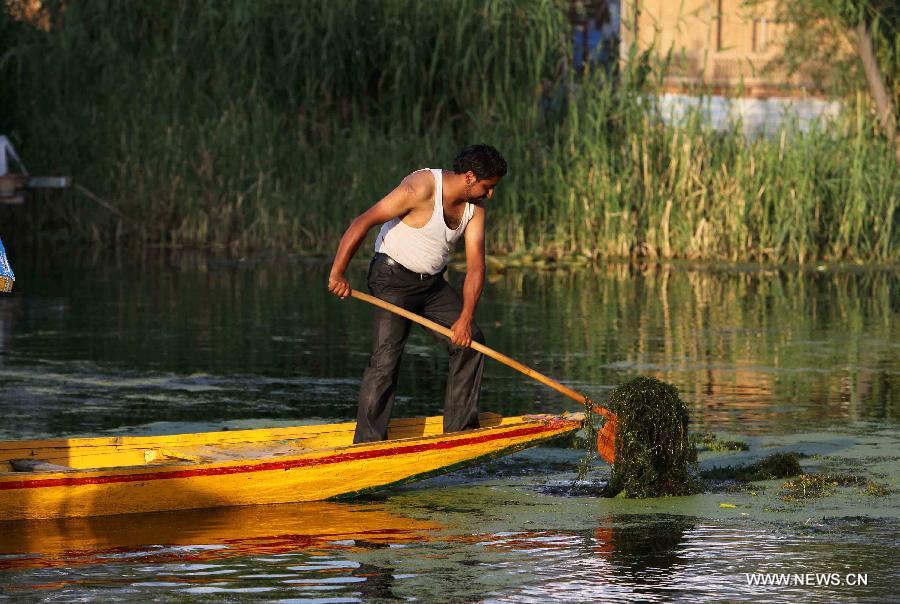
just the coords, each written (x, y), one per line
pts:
(783, 358)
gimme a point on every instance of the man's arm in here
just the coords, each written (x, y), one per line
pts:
(474, 282)
(405, 198)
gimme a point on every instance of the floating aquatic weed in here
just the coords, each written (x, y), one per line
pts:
(809, 486)
(777, 465)
(710, 442)
(654, 454)
(876, 490)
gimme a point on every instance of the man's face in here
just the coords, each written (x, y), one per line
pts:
(481, 190)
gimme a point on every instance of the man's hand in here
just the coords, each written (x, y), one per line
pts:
(339, 286)
(462, 332)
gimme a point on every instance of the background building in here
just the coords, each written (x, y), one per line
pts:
(723, 46)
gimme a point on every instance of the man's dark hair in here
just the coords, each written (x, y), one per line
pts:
(483, 160)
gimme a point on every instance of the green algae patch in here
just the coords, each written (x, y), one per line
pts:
(707, 441)
(654, 454)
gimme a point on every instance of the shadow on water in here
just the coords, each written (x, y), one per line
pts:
(635, 543)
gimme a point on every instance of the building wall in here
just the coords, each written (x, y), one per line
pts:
(719, 44)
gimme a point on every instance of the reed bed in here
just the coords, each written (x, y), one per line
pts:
(269, 125)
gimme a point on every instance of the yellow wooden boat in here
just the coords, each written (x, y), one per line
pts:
(129, 474)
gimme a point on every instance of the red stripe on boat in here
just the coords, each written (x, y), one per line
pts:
(279, 465)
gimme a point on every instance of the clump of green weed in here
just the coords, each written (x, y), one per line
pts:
(876, 490)
(777, 465)
(654, 455)
(809, 486)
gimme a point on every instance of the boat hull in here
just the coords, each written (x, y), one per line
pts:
(267, 468)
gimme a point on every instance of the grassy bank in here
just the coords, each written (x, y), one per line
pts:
(270, 125)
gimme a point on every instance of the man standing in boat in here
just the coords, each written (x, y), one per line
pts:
(421, 220)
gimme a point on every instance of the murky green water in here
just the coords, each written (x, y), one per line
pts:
(802, 360)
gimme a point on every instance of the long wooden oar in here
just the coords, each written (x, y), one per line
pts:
(606, 436)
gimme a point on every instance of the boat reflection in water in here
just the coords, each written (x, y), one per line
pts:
(198, 535)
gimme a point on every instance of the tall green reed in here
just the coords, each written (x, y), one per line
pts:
(269, 125)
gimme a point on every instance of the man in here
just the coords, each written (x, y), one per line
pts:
(422, 218)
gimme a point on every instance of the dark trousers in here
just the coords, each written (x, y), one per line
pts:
(433, 298)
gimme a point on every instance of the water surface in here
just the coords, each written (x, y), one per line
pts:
(786, 359)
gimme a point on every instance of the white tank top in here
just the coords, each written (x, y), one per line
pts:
(426, 249)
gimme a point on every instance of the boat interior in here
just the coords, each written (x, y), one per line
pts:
(73, 454)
